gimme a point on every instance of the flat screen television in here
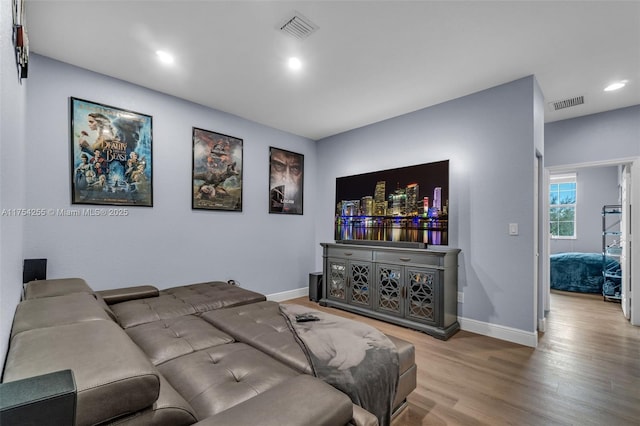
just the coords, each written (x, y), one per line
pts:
(403, 205)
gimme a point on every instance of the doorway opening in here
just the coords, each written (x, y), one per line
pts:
(574, 261)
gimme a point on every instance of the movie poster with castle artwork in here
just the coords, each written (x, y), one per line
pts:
(110, 155)
(217, 171)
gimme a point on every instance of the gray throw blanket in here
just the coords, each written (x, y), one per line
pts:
(351, 356)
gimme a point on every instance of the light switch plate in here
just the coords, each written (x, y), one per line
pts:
(513, 229)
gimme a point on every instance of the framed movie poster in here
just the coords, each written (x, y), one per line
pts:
(111, 155)
(217, 171)
(286, 173)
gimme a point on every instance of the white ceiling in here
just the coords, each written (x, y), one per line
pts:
(369, 60)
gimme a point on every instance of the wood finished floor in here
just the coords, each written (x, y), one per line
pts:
(585, 371)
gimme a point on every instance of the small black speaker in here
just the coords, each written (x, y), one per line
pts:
(315, 286)
(49, 399)
(34, 269)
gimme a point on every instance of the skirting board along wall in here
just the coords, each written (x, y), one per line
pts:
(289, 294)
(501, 332)
(484, 328)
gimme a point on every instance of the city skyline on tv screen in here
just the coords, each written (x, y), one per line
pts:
(406, 204)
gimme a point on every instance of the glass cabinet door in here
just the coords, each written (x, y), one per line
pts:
(337, 282)
(389, 295)
(359, 283)
(421, 303)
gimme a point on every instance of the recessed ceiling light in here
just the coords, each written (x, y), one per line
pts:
(164, 57)
(615, 86)
(295, 64)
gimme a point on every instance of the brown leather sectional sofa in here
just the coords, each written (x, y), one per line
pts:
(205, 354)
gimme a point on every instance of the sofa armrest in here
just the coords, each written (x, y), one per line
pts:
(300, 401)
(128, 293)
(45, 399)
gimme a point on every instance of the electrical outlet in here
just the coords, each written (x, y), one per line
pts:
(460, 297)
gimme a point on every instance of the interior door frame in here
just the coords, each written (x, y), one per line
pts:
(541, 248)
(634, 244)
(633, 262)
(625, 222)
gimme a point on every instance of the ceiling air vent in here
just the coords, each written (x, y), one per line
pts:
(567, 103)
(298, 26)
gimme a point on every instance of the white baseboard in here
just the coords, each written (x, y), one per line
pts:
(289, 294)
(501, 332)
(542, 325)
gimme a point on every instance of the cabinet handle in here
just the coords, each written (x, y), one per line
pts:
(405, 259)
(404, 292)
(348, 254)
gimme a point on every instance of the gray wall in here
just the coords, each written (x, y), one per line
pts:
(12, 178)
(596, 186)
(169, 244)
(606, 136)
(490, 140)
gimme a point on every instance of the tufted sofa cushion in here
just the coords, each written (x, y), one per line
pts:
(262, 326)
(215, 379)
(57, 310)
(113, 376)
(185, 300)
(214, 295)
(302, 400)
(167, 339)
(142, 311)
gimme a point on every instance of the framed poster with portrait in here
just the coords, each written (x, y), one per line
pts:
(111, 155)
(286, 181)
(217, 171)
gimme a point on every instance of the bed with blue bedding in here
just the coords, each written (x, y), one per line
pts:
(582, 273)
